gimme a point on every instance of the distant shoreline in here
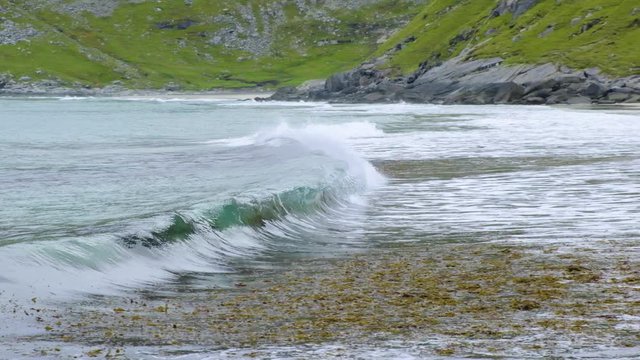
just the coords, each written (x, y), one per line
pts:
(220, 94)
(241, 94)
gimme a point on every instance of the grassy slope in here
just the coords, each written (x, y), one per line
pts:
(128, 46)
(610, 44)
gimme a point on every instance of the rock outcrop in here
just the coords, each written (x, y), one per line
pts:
(484, 81)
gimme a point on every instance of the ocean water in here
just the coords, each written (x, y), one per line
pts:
(103, 196)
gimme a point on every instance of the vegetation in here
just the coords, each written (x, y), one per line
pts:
(201, 45)
(576, 33)
(151, 45)
(499, 300)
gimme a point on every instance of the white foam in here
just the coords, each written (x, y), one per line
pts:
(329, 139)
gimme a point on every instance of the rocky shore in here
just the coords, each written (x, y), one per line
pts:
(463, 81)
(55, 88)
(438, 300)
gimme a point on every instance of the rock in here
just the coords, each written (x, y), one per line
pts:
(287, 93)
(594, 90)
(479, 81)
(547, 85)
(336, 83)
(542, 93)
(5, 79)
(635, 98)
(376, 97)
(504, 93)
(557, 98)
(173, 25)
(546, 31)
(586, 27)
(619, 94)
(171, 86)
(516, 7)
(534, 100)
(311, 85)
(578, 100)
(12, 33)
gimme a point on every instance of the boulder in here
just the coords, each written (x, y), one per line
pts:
(594, 90)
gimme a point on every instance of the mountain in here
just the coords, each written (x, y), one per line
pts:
(191, 44)
(500, 51)
(476, 51)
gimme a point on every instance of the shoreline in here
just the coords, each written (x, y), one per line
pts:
(107, 93)
(241, 95)
(477, 299)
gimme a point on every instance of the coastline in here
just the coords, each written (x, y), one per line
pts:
(464, 81)
(140, 94)
(477, 299)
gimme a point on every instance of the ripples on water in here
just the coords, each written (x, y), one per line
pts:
(101, 195)
(78, 177)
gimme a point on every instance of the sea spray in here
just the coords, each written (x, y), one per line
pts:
(202, 238)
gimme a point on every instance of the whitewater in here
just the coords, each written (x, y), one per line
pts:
(101, 197)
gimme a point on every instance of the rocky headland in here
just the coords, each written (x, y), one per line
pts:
(418, 51)
(498, 52)
(484, 81)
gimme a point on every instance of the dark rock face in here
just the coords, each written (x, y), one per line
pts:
(484, 81)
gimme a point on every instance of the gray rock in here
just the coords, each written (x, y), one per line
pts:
(547, 31)
(504, 93)
(5, 80)
(376, 98)
(11, 33)
(534, 100)
(479, 81)
(594, 90)
(516, 7)
(635, 98)
(578, 100)
(619, 94)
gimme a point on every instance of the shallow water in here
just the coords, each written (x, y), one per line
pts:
(102, 196)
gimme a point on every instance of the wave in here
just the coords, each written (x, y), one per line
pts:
(203, 239)
(253, 213)
(328, 139)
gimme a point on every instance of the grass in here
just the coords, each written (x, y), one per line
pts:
(576, 33)
(128, 45)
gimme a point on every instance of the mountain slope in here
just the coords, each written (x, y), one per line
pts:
(500, 51)
(201, 45)
(576, 33)
(192, 44)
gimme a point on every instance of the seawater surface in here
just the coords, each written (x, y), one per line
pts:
(103, 196)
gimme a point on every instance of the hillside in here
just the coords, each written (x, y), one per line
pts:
(191, 44)
(203, 45)
(576, 33)
(500, 51)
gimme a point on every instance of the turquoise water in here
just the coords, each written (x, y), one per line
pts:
(101, 196)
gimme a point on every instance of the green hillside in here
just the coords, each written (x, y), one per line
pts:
(576, 33)
(199, 45)
(195, 44)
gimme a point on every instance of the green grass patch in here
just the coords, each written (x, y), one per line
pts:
(576, 33)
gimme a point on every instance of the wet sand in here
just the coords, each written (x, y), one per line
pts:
(439, 300)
